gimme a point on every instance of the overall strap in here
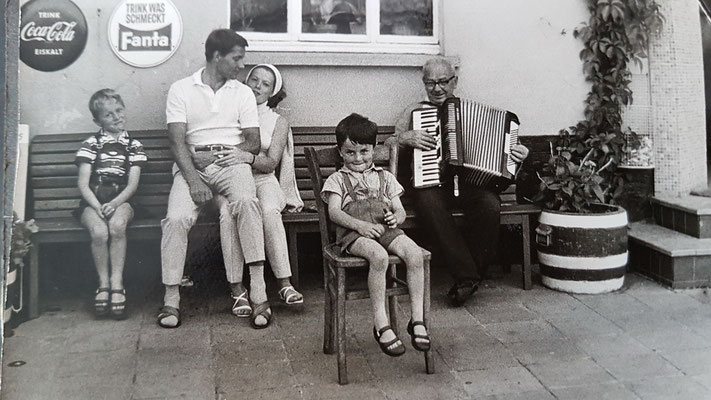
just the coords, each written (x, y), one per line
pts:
(349, 185)
(381, 189)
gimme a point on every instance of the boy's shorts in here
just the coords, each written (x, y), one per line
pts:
(385, 239)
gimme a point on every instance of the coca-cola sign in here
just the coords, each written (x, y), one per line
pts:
(52, 34)
(145, 33)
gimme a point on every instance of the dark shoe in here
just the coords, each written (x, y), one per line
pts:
(101, 306)
(168, 311)
(385, 347)
(418, 345)
(462, 291)
(263, 310)
(118, 309)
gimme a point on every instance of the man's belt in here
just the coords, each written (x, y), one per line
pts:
(214, 147)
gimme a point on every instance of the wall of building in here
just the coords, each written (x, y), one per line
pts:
(516, 54)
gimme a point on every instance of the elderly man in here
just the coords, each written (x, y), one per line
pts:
(209, 114)
(466, 258)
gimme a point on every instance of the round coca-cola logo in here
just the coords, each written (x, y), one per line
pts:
(52, 34)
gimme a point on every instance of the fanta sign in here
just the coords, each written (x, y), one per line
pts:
(52, 34)
(145, 33)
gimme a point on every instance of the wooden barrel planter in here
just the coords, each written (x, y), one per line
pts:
(583, 253)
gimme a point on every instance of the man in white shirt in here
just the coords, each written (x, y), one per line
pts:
(209, 114)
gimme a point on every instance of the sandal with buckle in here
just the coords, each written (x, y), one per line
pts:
(118, 308)
(101, 306)
(263, 310)
(418, 345)
(396, 351)
(241, 307)
(290, 296)
(167, 312)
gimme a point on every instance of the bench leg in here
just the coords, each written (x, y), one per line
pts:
(329, 316)
(392, 300)
(526, 268)
(33, 296)
(293, 256)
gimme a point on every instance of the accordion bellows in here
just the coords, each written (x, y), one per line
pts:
(475, 138)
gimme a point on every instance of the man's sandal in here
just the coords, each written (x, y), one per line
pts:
(167, 312)
(290, 296)
(396, 351)
(420, 344)
(241, 307)
(263, 310)
(101, 306)
(118, 308)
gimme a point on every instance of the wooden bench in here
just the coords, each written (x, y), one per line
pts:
(53, 195)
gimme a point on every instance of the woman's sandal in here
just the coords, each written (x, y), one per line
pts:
(290, 296)
(101, 306)
(166, 312)
(385, 347)
(118, 309)
(263, 310)
(418, 345)
(241, 307)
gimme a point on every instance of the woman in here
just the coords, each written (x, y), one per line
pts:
(274, 194)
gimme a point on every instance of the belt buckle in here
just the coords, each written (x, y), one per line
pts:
(216, 147)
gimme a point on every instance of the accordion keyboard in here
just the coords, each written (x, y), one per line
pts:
(425, 169)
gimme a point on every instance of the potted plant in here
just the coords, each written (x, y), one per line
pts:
(332, 16)
(20, 245)
(582, 233)
(243, 14)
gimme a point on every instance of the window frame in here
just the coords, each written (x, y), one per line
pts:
(293, 40)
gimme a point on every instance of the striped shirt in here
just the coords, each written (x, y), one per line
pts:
(111, 157)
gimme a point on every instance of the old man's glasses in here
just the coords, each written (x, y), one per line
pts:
(442, 82)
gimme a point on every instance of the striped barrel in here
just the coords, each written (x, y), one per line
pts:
(14, 292)
(583, 253)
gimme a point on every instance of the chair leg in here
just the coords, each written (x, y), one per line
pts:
(293, 256)
(526, 268)
(328, 311)
(341, 325)
(392, 300)
(429, 358)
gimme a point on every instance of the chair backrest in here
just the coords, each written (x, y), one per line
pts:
(321, 163)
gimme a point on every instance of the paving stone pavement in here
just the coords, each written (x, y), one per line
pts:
(643, 342)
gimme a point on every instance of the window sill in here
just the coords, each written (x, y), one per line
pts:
(304, 58)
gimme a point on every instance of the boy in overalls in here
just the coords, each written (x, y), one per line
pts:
(364, 202)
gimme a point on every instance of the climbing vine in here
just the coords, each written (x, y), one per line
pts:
(582, 168)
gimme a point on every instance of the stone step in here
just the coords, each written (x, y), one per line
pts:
(688, 214)
(670, 257)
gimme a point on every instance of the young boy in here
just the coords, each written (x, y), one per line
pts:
(110, 165)
(364, 201)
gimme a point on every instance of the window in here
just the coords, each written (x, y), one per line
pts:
(377, 26)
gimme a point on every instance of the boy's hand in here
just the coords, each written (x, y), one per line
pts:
(202, 159)
(390, 219)
(371, 231)
(107, 210)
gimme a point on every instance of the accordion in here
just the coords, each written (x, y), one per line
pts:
(474, 138)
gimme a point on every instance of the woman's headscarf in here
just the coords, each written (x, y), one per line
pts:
(277, 76)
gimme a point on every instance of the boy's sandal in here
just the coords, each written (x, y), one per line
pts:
(166, 312)
(290, 296)
(261, 309)
(241, 307)
(118, 309)
(420, 344)
(101, 306)
(385, 347)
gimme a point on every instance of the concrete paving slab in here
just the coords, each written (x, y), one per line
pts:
(579, 326)
(609, 391)
(677, 388)
(690, 362)
(462, 356)
(166, 382)
(498, 381)
(545, 351)
(638, 367)
(600, 346)
(583, 372)
(535, 395)
(97, 363)
(522, 331)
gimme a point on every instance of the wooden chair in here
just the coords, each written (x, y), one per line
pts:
(322, 163)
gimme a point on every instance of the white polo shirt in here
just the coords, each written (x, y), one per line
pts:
(212, 117)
